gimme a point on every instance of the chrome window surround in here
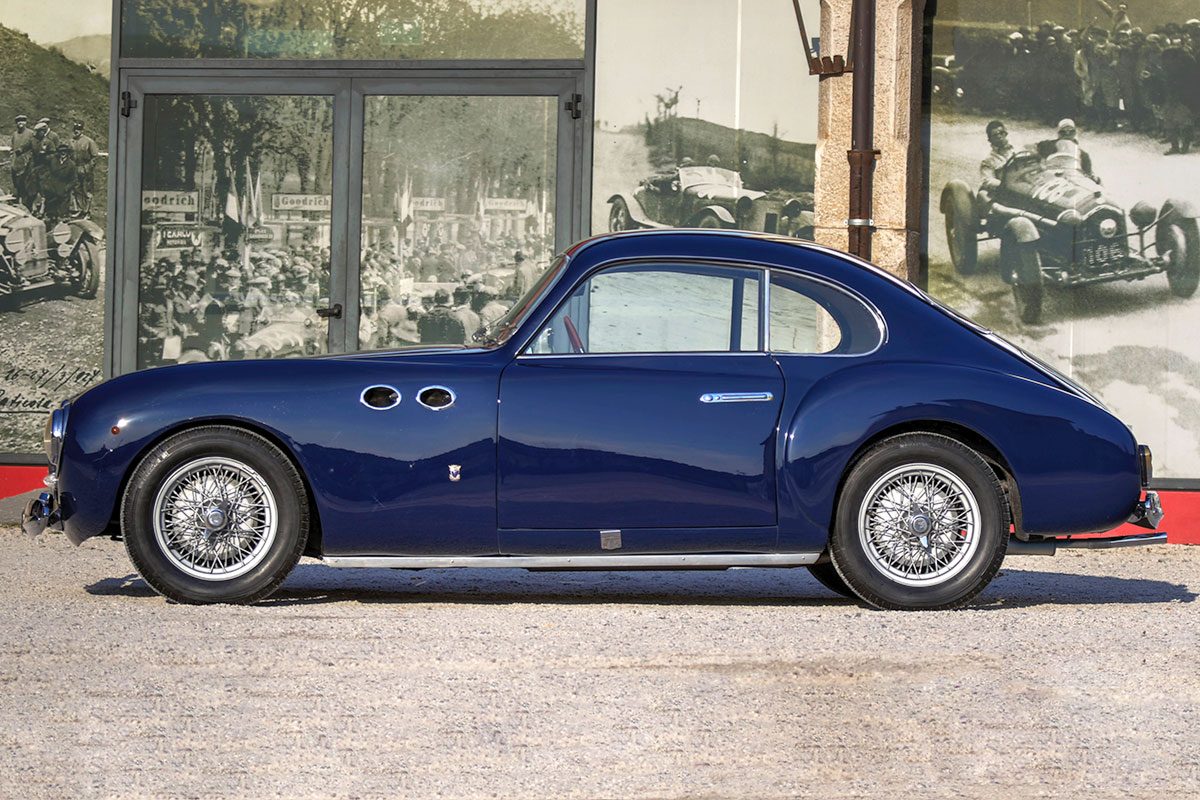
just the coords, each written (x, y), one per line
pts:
(764, 304)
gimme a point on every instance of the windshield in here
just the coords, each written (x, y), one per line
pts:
(695, 176)
(502, 329)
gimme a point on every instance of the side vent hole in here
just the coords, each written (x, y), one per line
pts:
(436, 398)
(380, 398)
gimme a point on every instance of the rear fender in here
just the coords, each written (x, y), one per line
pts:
(1074, 465)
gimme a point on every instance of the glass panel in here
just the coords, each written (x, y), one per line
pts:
(385, 29)
(798, 323)
(458, 213)
(712, 124)
(655, 311)
(235, 219)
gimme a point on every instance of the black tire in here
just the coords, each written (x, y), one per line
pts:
(1182, 251)
(962, 235)
(709, 220)
(977, 560)
(827, 575)
(1022, 261)
(87, 261)
(274, 561)
(619, 218)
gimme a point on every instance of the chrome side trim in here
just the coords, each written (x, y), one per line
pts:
(736, 397)
(578, 562)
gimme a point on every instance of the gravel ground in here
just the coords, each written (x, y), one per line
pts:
(1072, 675)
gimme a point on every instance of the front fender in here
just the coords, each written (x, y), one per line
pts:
(720, 212)
(1022, 230)
(636, 212)
(378, 478)
(1074, 464)
(85, 229)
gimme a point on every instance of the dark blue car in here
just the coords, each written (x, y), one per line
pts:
(659, 399)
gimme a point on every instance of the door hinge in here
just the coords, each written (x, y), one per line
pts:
(127, 103)
(575, 105)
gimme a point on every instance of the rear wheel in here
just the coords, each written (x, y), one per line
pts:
(215, 515)
(1179, 244)
(921, 524)
(958, 205)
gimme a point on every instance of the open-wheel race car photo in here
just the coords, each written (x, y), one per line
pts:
(1057, 226)
(709, 197)
(67, 254)
(657, 400)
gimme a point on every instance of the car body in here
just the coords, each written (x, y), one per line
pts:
(69, 254)
(604, 423)
(1058, 225)
(709, 197)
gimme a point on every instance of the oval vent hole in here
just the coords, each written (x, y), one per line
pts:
(436, 397)
(381, 397)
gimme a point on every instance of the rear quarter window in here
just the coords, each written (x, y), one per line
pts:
(815, 318)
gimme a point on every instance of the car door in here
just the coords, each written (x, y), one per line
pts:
(643, 418)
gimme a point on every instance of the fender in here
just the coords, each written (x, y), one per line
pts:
(636, 212)
(1022, 230)
(1175, 207)
(952, 187)
(720, 212)
(1042, 433)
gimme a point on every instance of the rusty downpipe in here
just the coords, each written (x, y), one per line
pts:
(859, 60)
(862, 153)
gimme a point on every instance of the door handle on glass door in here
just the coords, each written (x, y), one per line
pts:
(736, 397)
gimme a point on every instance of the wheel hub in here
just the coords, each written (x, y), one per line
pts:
(215, 515)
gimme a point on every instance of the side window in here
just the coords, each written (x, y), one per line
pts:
(657, 309)
(811, 317)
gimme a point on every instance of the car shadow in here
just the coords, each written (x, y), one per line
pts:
(314, 584)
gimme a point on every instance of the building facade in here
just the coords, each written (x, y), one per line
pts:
(194, 180)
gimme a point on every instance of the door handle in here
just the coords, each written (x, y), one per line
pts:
(334, 311)
(736, 397)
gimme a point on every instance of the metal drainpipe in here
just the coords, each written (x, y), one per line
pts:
(862, 153)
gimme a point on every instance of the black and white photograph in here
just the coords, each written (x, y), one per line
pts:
(721, 135)
(1063, 199)
(53, 208)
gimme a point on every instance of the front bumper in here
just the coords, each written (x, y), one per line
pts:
(40, 513)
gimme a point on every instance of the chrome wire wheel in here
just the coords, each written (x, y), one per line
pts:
(215, 518)
(919, 524)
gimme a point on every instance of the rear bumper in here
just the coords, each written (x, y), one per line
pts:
(40, 513)
(1147, 514)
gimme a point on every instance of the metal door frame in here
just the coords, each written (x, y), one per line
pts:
(348, 88)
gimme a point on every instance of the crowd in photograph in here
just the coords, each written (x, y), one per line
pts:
(52, 176)
(264, 302)
(1109, 75)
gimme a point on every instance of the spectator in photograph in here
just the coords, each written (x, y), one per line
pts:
(21, 162)
(1118, 13)
(1179, 90)
(84, 152)
(57, 184)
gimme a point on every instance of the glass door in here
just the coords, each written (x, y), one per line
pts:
(466, 195)
(232, 239)
(278, 216)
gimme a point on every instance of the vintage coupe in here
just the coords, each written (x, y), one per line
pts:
(660, 399)
(1057, 225)
(709, 197)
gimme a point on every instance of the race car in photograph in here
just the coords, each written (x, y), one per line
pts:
(33, 255)
(1057, 226)
(657, 400)
(709, 197)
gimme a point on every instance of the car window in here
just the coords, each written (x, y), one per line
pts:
(657, 309)
(814, 318)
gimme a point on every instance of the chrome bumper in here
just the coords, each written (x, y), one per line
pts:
(40, 512)
(1147, 514)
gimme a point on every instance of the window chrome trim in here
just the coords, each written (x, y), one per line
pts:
(446, 389)
(362, 397)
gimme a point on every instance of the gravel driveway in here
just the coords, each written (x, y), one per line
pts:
(1075, 675)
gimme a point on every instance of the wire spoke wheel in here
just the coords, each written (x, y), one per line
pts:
(919, 524)
(215, 518)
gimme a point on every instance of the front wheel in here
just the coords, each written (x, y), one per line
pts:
(1023, 265)
(215, 515)
(619, 218)
(1179, 244)
(921, 524)
(86, 261)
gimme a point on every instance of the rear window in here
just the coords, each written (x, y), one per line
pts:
(814, 318)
